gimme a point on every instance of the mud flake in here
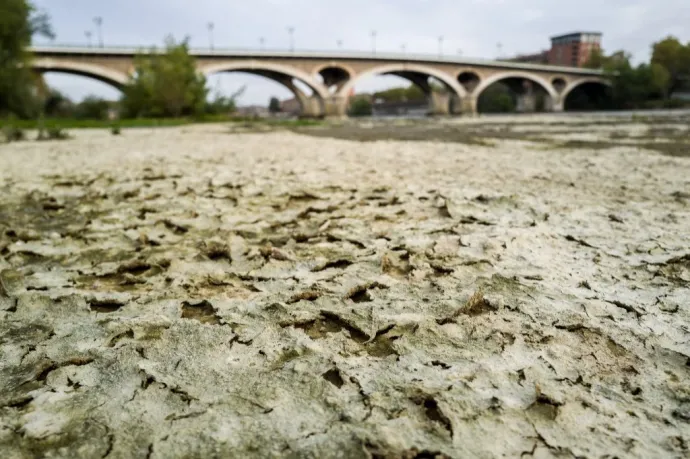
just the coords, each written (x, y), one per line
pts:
(203, 312)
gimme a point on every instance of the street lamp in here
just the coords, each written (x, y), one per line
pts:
(499, 47)
(210, 27)
(340, 44)
(403, 48)
(373, 42)
(291, 31)
(262, 41)
(99, 23)
(459, 52)
(88, 37)
(440, 46)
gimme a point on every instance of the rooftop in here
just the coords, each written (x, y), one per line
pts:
(572, 34)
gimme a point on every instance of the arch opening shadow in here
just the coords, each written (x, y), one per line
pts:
(469, 81)
(333, 77)
(559, 84)
(514, 93)
(589, 96)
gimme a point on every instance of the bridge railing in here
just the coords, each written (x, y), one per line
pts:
(70, 48)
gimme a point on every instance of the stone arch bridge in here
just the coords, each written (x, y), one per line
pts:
(322, 82)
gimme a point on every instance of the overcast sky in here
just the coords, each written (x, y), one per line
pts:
(473, 27)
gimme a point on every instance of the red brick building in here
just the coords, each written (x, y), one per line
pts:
(573, 49)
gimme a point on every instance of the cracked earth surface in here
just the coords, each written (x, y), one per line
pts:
(189, 292)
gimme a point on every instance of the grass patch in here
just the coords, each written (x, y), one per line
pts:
(63, 123)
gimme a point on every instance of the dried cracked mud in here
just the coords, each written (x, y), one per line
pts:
(193, 292)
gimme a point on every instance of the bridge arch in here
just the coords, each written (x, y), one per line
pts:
(520, 84)
(575, 84)
(281, 74)
(589, 93)
(402, 69)
(519, 75)
(97, 72)
(333, 74)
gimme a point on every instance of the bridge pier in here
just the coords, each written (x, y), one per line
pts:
(526, 100)
(468, 106)
(439, 103)
(311, 107)
(554, 105)
(336, 106)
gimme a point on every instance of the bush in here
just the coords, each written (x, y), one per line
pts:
(115, 129)
(496, 99)
(13, 134)
(52, 133)
(360, 107)
(274, 105)
(92, 108)
(58, 105)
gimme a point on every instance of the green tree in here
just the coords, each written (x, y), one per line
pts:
(632, 87)
(274, 105)
(19, 22)
(401, 94)
(57, 105)
(673, 56)
(92, 108)
(497, 98)
(165, 84)
(223, 105)
(360, 106)
(596, 59)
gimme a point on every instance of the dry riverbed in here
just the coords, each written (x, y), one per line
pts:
(489, 288)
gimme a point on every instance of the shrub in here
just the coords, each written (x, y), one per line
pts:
(360, 107)
(13, 134)
(92, 108)
(52, 133)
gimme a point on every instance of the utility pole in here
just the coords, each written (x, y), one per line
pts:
(210, 27)
(99, 29)
(291, 31)
(88, 34)
(440, 46)
(373, 42)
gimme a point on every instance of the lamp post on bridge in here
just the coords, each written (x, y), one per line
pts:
(440, 46)
(262, 41)
(373, 42)
(210, 27)
(291, 31)
(88, 34)
(403, 48)
(99, 23)
(340, 44)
